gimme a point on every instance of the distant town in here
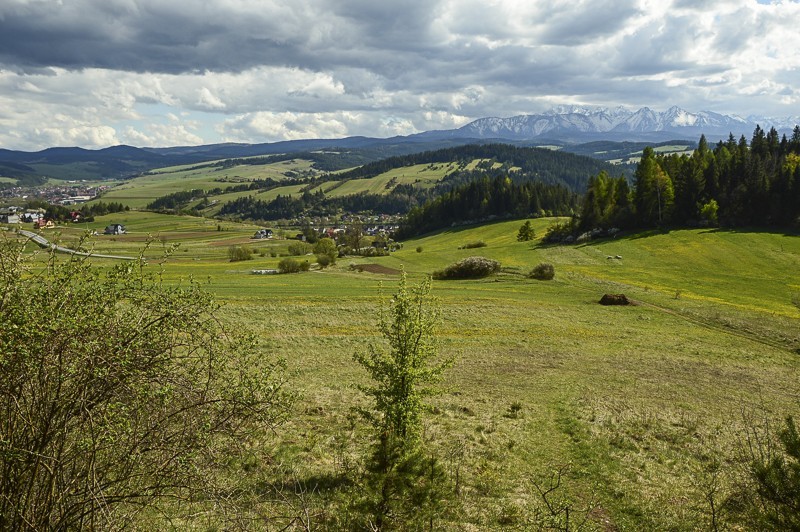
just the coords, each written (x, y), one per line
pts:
(71, 193)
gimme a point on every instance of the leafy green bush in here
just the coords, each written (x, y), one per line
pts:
(419, 249)
(290, 265)
(469, 268)
(560, 232)
(709, 212)
(327, 247)
(543, 272)
(368, 251)
(474, 245)
(299, 248)
(324, 260)
(237, 253)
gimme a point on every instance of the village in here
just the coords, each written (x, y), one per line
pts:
(70, 193)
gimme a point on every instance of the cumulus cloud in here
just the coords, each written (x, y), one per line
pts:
(159, 135)
(255, 70)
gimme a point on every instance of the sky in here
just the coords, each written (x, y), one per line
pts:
(97, 73)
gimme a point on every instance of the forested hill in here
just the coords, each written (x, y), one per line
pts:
(520, 164)
(559, 177)
(487, 199)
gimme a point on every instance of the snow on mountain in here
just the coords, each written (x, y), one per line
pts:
(570, 122)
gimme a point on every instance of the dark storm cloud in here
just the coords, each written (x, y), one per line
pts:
(596, 20)
(96, 72)
(146, 37)
(151, 36)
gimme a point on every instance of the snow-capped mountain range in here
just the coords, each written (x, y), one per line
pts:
(581, 124)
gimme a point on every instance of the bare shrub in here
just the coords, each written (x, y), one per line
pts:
(132, 395)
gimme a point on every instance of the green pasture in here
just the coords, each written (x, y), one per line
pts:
(419, 175)
(672, 148)
(138, 192)
(637, 401)
(184, 167)
(263, 195)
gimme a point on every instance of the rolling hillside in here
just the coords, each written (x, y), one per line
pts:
(411, 179)
(637, 400)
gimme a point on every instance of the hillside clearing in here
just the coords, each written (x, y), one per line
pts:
(635, 399)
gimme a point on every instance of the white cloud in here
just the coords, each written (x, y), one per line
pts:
(206, 100)
(270, 126)
(254, 70)
(160, 135)
(67, 133)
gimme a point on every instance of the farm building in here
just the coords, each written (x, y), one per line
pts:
(263, 233)
(115, 229)
(41, 223)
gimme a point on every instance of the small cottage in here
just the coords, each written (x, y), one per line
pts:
(41, 223)
(115, 229)
(263, 233)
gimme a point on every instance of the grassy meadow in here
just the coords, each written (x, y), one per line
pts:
(638, 405)
(138, 192)
(419, 175)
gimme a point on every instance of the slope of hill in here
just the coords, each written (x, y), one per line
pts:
(246, 187)
(648, 404)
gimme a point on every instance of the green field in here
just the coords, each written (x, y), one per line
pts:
(138, 192)
(419, 175)
(263, 195)
(638, 401)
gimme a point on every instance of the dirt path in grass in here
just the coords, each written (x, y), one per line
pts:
(43, 242)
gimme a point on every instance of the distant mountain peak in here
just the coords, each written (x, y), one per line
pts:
(577, 123)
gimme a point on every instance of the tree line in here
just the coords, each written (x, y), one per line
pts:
(542, 164)
(488, 198)
(176, 201)
(285, 207)
(732, 184)
(498, 161)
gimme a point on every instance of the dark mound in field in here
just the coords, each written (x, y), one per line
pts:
(377, 268)
(615, 299)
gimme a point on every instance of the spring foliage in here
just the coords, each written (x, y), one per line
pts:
(118, 392)
(731, 184)
(403, 486)
(405, 374)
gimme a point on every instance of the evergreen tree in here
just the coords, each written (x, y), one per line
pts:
(654, 193)
(526, 232)
(404, 486)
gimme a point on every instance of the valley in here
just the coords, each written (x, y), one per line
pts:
(634, 405)
(554, 411)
